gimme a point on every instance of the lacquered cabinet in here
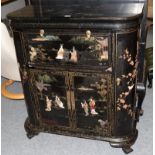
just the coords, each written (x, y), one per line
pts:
(79, 72)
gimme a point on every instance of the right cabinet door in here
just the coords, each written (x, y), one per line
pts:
(91, 100)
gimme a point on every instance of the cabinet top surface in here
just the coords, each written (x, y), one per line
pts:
(107, 11)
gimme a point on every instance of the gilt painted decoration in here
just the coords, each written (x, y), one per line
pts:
(101, 88)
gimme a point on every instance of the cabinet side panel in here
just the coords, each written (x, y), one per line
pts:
(24, 77)
(126, 71)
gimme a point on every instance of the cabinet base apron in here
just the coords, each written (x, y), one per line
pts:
(124, 142)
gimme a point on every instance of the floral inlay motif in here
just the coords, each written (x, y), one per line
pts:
(129, 79)
(41, 86)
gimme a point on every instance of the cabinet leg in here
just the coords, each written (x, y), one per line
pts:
(125, 143)
(150, 77)
(31, 134)
(30, 129)
(140, 101)
(127, 149)
(141, 90)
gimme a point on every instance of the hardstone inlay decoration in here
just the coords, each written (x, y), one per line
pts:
(87, 46)
(97, 46)
(41, 86)
(43, 37)
(48, 104)
(130, 82)
(93, 107)
(64, 54)
(53, 103)
(56, 103)
(45, 81)
(38, 53)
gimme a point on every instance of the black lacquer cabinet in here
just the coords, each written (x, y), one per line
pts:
(79, 65)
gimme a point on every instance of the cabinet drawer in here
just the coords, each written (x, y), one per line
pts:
(68, 48)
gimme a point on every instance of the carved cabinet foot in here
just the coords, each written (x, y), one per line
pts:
(127, 149)
(150, 85)
(141, 90)
(141, 111)
(31, 134)
(30, 129)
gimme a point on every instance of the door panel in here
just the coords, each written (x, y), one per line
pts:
(51, 91)
(91, 98)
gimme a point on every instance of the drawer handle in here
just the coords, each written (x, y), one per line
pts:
(42, 32)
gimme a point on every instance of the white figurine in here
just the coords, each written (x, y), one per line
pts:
(73, 55)
(92, 106)
(88, 36)
(59, 102)
(102, 123)
(109, 69)
(85, 107)
(41, 36)
(33, 53)
(60, 54)
(42, 32)
(48, 104)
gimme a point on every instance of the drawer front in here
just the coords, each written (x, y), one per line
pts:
(71, 48)
(51, 97)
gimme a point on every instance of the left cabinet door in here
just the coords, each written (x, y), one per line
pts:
(51, 93)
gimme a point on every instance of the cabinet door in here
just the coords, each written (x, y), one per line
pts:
(51, 97)
(91, 101)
